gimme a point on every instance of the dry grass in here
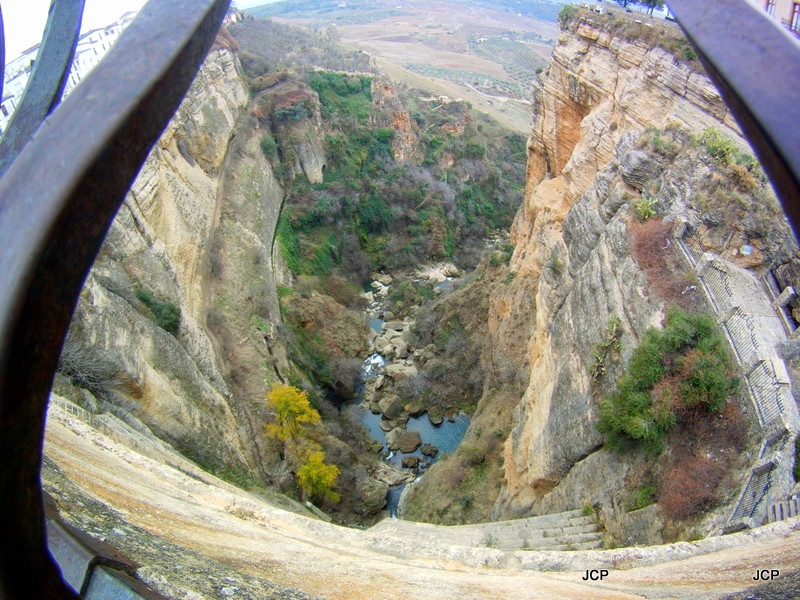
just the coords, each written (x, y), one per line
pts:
(704, 449)
(689, 486)
(653, 249)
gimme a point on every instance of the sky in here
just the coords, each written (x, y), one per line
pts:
(24, 20)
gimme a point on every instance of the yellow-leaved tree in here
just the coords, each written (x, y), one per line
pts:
(292, 408)
(316, 479)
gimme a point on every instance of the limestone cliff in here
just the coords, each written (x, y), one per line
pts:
(588, 164)
(162, 254)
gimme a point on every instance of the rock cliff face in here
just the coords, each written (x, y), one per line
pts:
(162, 253)
(585, 170)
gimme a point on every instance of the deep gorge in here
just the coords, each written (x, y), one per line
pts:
(277, 193)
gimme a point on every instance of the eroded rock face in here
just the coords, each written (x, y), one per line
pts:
(573, 264)
(158, 244)
(599, 86)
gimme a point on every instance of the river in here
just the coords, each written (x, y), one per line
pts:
(445, 436)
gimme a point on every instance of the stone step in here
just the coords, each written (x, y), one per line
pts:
(523, 543)
(542, 534)
(563, 531)
(525, 530)
(539, 521)
(596, 545)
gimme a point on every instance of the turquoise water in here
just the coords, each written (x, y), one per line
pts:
(375, 324)
(446, 436)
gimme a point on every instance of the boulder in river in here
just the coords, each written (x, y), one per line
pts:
(391, 406)
(415, 410)
(450, 270)
(429, 450)
(390, 475)
(391, 335)
(410, 462)
(409, 441)
(370, 496)
(393, 437)
(394, 325)
(399, 370)
(435, 415)
(381, 343)
(400, 347)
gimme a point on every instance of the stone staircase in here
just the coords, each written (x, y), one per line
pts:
(570, 530)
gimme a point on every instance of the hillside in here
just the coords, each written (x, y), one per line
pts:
(484, 53)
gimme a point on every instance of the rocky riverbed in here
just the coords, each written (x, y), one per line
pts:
(407, 432)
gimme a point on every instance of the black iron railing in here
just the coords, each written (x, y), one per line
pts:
(755, 64)
(65, 178)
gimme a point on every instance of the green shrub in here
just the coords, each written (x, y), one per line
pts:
(797, 458)
(165, 313)
(289, 242)
(644, 207)
(722, 150)
(644, 496)
(293, 112)
(268, 146)
(610, 345)
(555, 263)
(566, 14)
(682, 369)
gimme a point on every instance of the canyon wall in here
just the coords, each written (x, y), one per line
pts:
(587, 165)
(162, 254)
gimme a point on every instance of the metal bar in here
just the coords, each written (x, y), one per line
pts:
(755, 64)
(57, 201)
(2, 56)
(48, 78)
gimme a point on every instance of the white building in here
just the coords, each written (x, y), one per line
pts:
(92, 46)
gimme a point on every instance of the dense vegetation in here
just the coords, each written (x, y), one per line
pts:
(374, 212)
(677, 372)
(293, 417)
(165, 313)
(459, 175)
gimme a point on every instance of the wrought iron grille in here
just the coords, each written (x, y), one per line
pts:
(66, 168)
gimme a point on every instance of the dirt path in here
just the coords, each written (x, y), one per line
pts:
(246, 534)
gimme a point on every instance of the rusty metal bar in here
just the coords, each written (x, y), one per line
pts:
(48, 78)
(57, 201)
(755, 64)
